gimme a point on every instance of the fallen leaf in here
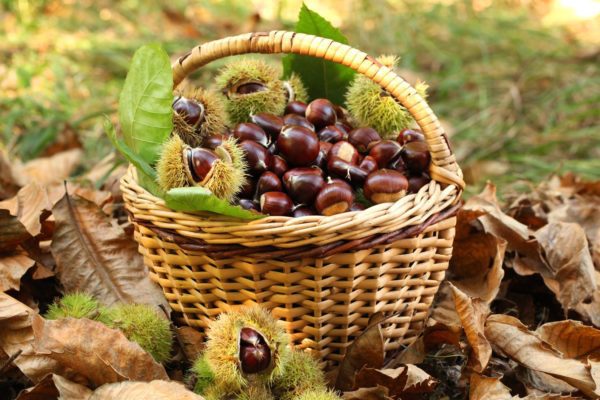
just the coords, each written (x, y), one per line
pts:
(571, 338)
(16, 335)
(192, 341)
(571, 272)
(401, 382)
(487, 388)
(29, 206)
(95, 256)
(538, 382)
(8, 184)
(12, 267)
(54, 387)
(144, 390)
(370, 393)
(509, 336)
(12, 232)
(472, 314)
(101, 354)
(48, 170)
(367, 350)
(444, 310)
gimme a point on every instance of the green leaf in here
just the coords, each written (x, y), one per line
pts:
(146, 174)
(145, 111)
(323, 79)
(197, 198)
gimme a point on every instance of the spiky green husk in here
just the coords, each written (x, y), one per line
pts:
(141, 324)
(170, 169)
(222, 348)
(204, 375)
(300, 92)
(215, 116)
(256, 392)
(241, 106)
(74, 305)
(318, 394)
(301, 373)
(229, 176)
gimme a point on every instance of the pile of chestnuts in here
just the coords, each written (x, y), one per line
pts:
(312, 161)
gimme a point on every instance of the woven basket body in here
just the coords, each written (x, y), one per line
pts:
(323, 277)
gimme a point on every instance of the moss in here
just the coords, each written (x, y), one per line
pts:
(141, 324)
(74, 305)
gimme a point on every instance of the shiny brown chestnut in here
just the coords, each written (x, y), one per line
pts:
(344, 151)
(303, 184)
(276, 203)
(268, 182)
(298, 145)
(320, 113)
(200, 163)
(410, 135)
(368, 164)
(214, 141)
(331, 133)
(398, 165)
(294, 119)
(279, 166)
(190, 110)
(270, 123)
(357, 207)
(258, 158)
(385, 186)
(251, 131)
(303, 211)
(250, 87)
(295, 107)
(385, 152)
(415, 183)
(416, 157)
(344, 127)
(248, 189)
(248, 204)
(346, 171)
(255, 354)
(363, 138)
(321, 160)
(333, 199)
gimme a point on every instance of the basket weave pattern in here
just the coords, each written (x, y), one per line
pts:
(323, 276)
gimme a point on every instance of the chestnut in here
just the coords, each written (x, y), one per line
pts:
(320, 113)
(334, 198)
(368, 164)
(298, 145)
(321, 160)
(385, 152)
(251, 131)
(415, 183)
(410, 135)
(416, 157)
(268, 182)
(331, 133)
(303, 184)
(279, 166)
(303, 211)
(248, 204)
(294, 119)
(276, 203)
(255, 354)
(270, 123)
(385, 186)
(344, 127)
(200, 163)
(190, 110)
(214, 141)
(345, 170)
(295, 107)
(344, 151)
(398, 165)
(363, 138)
(248, 189)
(258, 158)
(251, 87)
(357, 207)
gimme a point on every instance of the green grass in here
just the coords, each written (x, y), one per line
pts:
(521, 97)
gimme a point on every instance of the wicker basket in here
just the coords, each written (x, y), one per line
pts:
(323, 276)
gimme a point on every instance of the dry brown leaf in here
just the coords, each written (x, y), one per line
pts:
(476, 263)
(370, 393)
(367, 350)
(8, 184)
(143, 391)
(191, 340)
(444, 311)
(29, 205)
(12, 232)
(402, 382)
(572, 339)
(53, 387)
(48, 170)
(590, 309)
(539, 383)
(12, 267)
(472, 314)
(487, 388)
(511, 337)
(16, 335)
(95, 256)
(571, 272)
(101, 354)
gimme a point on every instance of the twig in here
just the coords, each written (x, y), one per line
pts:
(10, 360)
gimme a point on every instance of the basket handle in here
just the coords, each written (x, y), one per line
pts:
(443, 168)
